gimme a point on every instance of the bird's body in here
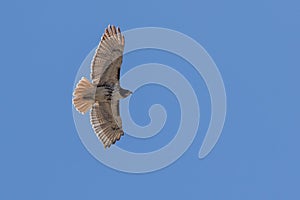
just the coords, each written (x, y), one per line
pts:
(107, 93)
(103, 94)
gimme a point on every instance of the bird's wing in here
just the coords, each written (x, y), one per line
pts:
(106, 122)
(116, 112)
(105, 67)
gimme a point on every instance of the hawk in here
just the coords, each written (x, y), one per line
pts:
(103, 94)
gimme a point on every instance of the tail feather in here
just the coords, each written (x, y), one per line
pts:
(84, 95)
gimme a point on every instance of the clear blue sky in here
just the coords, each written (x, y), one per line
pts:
(256, 46)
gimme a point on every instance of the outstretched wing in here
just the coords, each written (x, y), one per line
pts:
(106, 64)
(106, 122)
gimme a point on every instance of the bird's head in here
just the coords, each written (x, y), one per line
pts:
(125, 93)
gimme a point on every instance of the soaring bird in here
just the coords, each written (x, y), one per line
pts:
(103, 94)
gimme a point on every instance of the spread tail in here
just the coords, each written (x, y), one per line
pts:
(84, 95)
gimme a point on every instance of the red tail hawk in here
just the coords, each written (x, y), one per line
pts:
(104, 93)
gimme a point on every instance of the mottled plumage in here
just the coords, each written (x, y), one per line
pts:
(103, 94)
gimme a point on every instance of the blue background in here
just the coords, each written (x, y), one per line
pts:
(255, 44)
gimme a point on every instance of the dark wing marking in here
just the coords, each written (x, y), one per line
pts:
(107, 60)
(104, 121)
